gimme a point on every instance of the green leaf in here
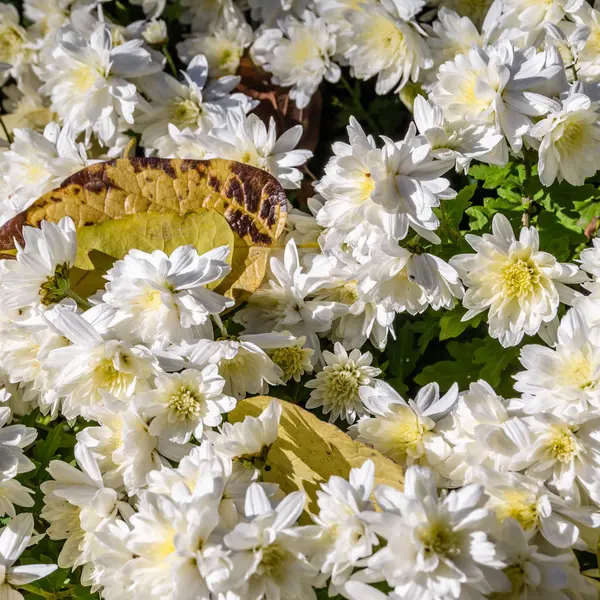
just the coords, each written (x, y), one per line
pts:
(492, 176)
(401, 352)
(452, 326)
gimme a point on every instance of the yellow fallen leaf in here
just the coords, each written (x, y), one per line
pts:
(112, 240)
(252, 202)
(204, 230)
(308, 451)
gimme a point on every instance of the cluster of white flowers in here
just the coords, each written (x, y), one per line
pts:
(167, 496)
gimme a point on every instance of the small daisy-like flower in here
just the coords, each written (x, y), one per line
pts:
(519, 285)
(336, 387)
(40, 275)
(184, 403)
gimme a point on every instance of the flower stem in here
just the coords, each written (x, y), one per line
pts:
(358, 104)
(9, 138)
(32, 589)
(170, 62)
(81, 302)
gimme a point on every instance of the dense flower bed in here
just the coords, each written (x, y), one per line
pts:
(362, 364)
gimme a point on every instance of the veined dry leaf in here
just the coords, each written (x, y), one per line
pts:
(252, 202)
(308, 451)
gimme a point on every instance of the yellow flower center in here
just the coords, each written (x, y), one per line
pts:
(106, 374)
(518, 581)
(519, 278)
(83, 78)
(521, 506)
(303, 48)
(439, 538)
(342, 383)
(562, 444)
(290, 361)
(578, 373)
(186, 403)
(572, 137)
(185, 113)
(151, 300)
(271, 562)
(11, 42)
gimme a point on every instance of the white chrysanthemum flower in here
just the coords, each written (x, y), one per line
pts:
(47, 16)
(248, 441)
(14, 538)
(408, 186)
(410, 282)
(124, 448)
(458, 140)
(110, 557)
(348, 183)
(162, 299)
(482, 432)
(87, 80)
(496, 86)
(37, 163)
(223, 45)
(245, 367)
(535, 508)
(94, 363)
(536, 568)
(76, 503)
(282, 304)
(587, 43)
(265, 551)
(203, 14)
(344, 538)
(532, 15)
(39, 277)
(25, 108)
(248, 140)
(152, 8)
(451, 34)
(364, 318)
(155, 32)
(336, 387)
(174, 557)
(183, 404)
(564, 380)
(570, 139)
(382, 40)
(405, 431)
(24, 346)
(566, 456)
(16, 49)
(519, 285)
(13, 440)
(14, 493)
(287, 351)
(193, 105)
(436, 547)
(298, 54)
